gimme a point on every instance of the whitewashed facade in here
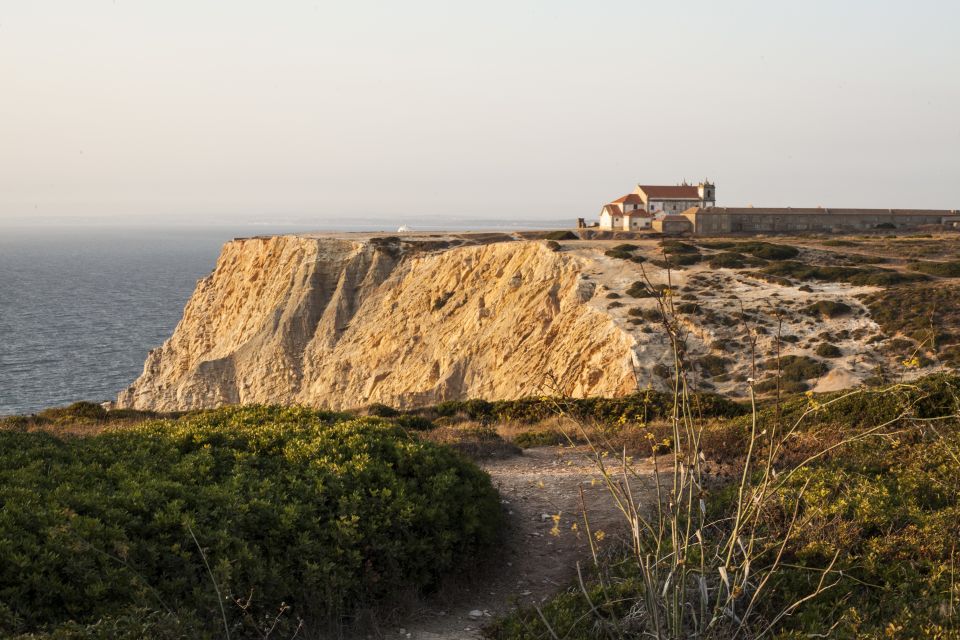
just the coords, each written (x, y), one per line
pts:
(637, 210)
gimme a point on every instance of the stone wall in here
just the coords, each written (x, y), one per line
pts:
(757, 220)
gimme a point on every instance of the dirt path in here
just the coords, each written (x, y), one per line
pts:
(539, 555)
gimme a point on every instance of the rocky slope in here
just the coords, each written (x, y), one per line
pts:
(344, 322)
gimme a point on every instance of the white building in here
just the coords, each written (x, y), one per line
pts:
(611, 217)
(637, 210)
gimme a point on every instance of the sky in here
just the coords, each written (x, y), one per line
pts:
(206, 110)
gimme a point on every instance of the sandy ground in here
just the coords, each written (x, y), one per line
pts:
(533, 563)
(727, 291)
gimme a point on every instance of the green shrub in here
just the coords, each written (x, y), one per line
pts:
(729, 260)
(712, 366)
(827, 350)
(787, 387)
(768, 251)
(304, 507)
(797, 368)
(839, 243)
(639, 289)
(77, 411)
(381, 411)
(677, 261)
(626, 247)
(553, 245)
(889, 508)
(874, 276)
(859, 258)
(942, 269)
(561, 235)
(644, 406)
(545, 438)
(718, 245)
(928, 314)
(662, 371)
(690, 308)
(675, 247)
(828, 309)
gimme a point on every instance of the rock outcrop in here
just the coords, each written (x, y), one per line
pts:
(343, 323)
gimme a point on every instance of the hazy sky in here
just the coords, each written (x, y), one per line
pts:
(261, 110)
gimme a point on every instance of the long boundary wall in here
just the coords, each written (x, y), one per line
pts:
(720, 220)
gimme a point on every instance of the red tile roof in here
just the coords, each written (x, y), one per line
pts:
(630, 198)
(677, 192)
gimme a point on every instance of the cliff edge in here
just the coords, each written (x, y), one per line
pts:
(344, 322)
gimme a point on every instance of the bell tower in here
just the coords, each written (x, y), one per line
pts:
(708, 193)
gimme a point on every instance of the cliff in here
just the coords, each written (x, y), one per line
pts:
(344, 322)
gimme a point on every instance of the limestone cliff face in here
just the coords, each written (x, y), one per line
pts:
(344, 323)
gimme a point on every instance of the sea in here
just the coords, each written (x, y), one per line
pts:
(82, 304)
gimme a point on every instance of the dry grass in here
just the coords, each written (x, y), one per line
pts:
(473, 439)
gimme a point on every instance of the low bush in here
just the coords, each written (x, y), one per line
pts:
(711, 365)
(828, 309)
(942, 269)
(786, 387)
(639, 289)
(638, 407)
(561, 235)
(309, 508)
(860, 258)
(927, 314)
(797, 368)
(544, 438)
(768, 251)
(381, 411)
(827, 350)
(773, 279)
(729, 260)
(675, 247)
(874, 276)
(718, 245)
(839, 243)
(678, 260)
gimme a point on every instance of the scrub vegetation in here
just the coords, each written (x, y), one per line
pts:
(227, 523)
(835, 515)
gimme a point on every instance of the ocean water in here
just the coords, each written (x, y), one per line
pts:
(80, 306)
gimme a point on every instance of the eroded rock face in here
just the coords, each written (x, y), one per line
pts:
(345, 323)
